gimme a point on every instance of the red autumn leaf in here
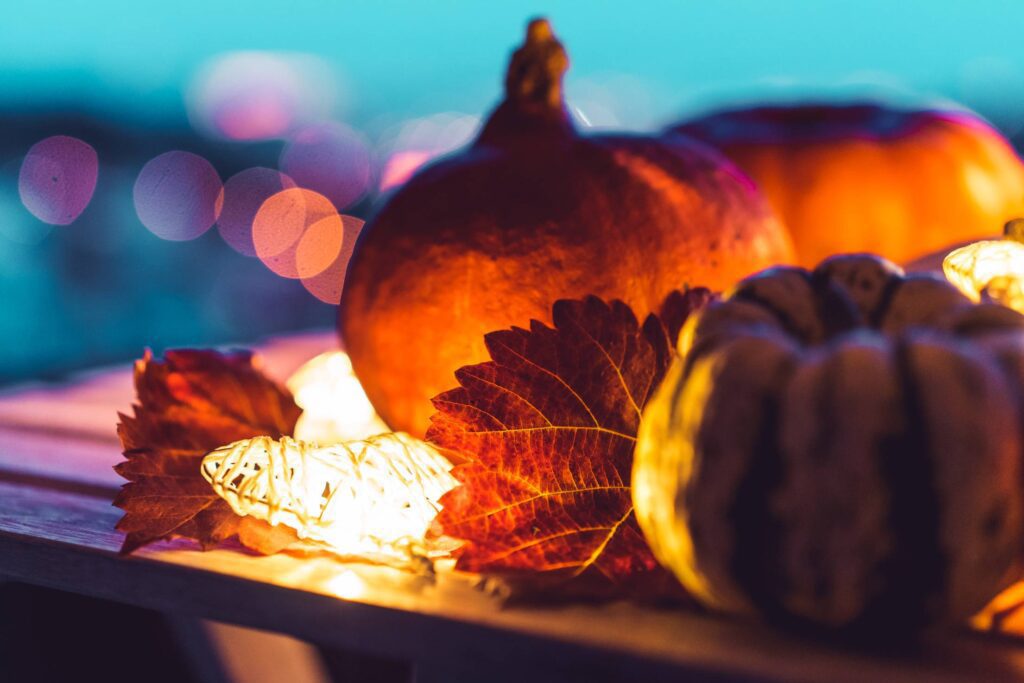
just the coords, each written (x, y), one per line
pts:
(678, 306)
(187, 405)
(547, 430)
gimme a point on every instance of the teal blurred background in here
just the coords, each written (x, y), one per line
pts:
(408, 80)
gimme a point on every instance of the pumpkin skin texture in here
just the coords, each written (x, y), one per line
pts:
(855, 472)
(532, 212)
(851, 178)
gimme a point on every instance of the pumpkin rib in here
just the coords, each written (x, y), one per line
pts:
(888, 294)
(870, 486)
(757, 530)
(915, 571)
(728, 424)
(831, 548)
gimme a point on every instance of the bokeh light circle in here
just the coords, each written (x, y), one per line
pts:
(331, 159)
(18, 229)
(319, 246)
(256, 95)
(177, 195)
(243, 195)
(297, 233)
(616, 101)
(327, 286)
(57, 179)
(412, 144)
(401, 166)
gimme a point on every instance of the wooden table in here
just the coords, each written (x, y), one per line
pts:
(57, 446)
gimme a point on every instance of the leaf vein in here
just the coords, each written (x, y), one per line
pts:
(509, 391)
(545, 539)
(604, 544)
(559, 378)
(541, 496)
(615, 366)
(555, 428)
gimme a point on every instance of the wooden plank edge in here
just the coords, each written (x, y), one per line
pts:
(56, 483)
(96, 436)
(440, 643)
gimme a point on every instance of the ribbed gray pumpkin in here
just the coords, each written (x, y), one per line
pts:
(840, 448)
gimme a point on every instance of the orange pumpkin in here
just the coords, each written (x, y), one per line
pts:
(529, 213)
(864, 177)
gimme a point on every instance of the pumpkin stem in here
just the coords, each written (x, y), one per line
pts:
(533, 87)
(1014, 230)
(534, 77)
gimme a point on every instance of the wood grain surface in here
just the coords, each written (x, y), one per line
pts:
(56, 530)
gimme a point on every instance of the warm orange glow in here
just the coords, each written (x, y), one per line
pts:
(242, 196)
(347, 584)
(334, 406)
(328, 284)
(280, 222)
(901, 184)
(992, 268)
(373, 499)
(1005, 614)
(297, 233)
(319, 246)
(344, 481)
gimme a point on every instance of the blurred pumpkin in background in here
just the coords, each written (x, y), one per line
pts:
(532, 212)
(855, 177)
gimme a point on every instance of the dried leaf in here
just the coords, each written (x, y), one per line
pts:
(187, 405)
(678, 306)
(1004, 614)
(546, 430)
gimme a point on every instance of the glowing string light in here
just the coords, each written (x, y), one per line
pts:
(372, 499)
(334, 405)
(992, 269)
